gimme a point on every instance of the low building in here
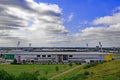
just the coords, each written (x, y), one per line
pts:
(57, 57)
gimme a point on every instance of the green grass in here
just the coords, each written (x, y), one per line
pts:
(118, 55)
(102, 71)
(43, 70)
(105, 71)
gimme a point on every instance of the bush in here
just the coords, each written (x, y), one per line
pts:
(43, 78)
(57, 68)
(23, 76)
(92, 73)
(46, 72)
(86, 73)
(14, 62)
(76, 77)
(89, 65)
(77, 63)
(26, 76)
(37, 73)
(24, 62)
(5, 76)
(70, 64)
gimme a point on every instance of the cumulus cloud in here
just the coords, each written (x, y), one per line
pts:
(108, 20)
(28, 21)
(107, 31)
(42, 25)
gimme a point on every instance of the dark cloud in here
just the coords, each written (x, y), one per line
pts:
(51, 13)
(8, 28)
(23, 4)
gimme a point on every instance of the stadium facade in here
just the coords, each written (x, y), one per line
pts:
(54, 56)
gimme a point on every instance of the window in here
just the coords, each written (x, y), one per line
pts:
(43, 55)
(35, 58)
(49, 55)
(65, 57)
(70, 55)
(38, 55)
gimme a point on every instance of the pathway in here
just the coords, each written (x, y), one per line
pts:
(64, 72)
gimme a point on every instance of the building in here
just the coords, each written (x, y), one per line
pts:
(57, 56)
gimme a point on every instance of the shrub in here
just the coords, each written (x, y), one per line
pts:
(57, 68)
(5, 76)
(86, 73)
(70, 64)
(46, 72)
(113, 59)
(92, 73)
(24, 62)
(76, 77)
(14, 62)
(37, 73)
(43, 78)
(26, 76)
(89, 65)
(77, 63)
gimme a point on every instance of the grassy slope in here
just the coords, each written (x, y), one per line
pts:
(17, 69)
(118, 56)
(105, 71)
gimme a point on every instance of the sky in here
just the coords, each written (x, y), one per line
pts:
(60, 23)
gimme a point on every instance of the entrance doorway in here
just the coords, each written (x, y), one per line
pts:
(59, 58)
(65, 57)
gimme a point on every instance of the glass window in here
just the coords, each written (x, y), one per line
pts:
(43, 55)
(35, 58)
(70, 55)
(38, 55)
(65, 57)
(49, 55)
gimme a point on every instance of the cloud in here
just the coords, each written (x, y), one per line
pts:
(42, 25)
(70, 17)
(107, 31)
(28, 21)
(84, 22)
(108, 20)
(116, 10)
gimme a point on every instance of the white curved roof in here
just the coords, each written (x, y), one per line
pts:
(26, 52)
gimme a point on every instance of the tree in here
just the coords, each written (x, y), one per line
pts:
(24, 62)
(14, 62)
